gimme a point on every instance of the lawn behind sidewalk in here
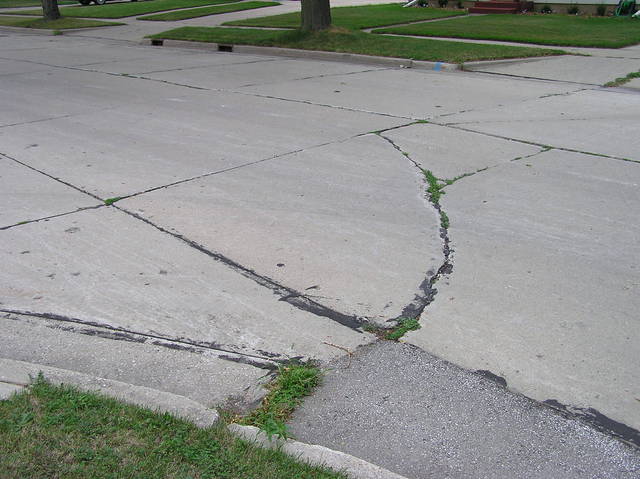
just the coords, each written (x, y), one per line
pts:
(205, 11)
(126, 9)
(52, 431)
(561, 30)
(29, 3)
(355, 18)
(347, 41)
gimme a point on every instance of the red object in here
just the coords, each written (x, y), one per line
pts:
(500, 7)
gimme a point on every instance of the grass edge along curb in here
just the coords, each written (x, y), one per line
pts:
(347, 41)
(293, 382)
(62, 431)
(63, 23)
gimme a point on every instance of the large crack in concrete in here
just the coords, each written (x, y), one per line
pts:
(265, 360)
(427, 287)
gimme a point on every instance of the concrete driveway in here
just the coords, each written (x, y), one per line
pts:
(179, 219)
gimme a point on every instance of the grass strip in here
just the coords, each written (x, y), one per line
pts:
(622, 80)
(126, 9)
(29, 3)
(59, 24)
(345, 41)
(204, 11)
(292, 384)
(355, 18)
(562, 30)
(60, 432)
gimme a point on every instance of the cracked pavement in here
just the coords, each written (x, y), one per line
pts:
(264, 208)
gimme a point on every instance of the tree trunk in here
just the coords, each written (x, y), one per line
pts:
(316, 15)
(50, 9)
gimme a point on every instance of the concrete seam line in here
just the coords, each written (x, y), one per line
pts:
(180, 406)
(314, 454)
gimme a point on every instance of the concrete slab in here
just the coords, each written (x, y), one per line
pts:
(68, 52)
(60, 93)
(185, 60)
(347, 223)
(13, 67)
(411, 94)
(545, 282)
(449, 153)
(28, 195)
(635, 84)
(249, 74)
(579, 69)
(419, 416)
(593, 121)
(107, 268)
(133, 134)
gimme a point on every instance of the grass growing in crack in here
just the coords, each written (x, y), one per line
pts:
(49, 432)
(293, 383)
(622, 80)
(435, 188)
(394, 334)
(110, 201)
(444, 220)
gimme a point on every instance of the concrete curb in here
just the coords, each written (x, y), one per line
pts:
(310, 55)
(316, 455)
(15, 375)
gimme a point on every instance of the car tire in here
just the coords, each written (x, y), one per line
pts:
(100, 2)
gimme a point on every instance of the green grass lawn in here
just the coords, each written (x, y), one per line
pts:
(59, 432)
(565, 30)
(60, 24)
(204, 11)
(355, 42)
(29, 3)
(355, 18)
(127, 9)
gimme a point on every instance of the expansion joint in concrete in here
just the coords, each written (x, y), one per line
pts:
(92, 328)
(70, 185)
(46, 218)
(545, 147)
(286, 294)
(326, 105)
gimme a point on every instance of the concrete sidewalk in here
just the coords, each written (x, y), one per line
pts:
(183, 221)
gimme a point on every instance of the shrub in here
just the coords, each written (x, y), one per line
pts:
(443, 3)
(573, 9)
(601, 10)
